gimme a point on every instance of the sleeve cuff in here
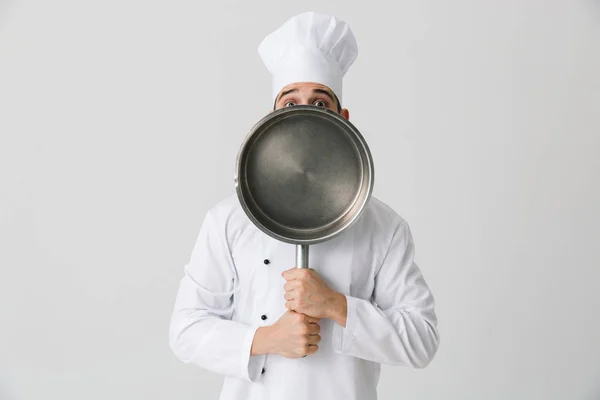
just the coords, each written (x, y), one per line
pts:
(251, 365)
(343, 336)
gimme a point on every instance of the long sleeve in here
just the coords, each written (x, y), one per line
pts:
(399, 325)
(201, 330)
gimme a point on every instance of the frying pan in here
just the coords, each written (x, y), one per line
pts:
(303, 175)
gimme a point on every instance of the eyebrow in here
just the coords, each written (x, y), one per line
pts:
(285, 94)
(325, 92)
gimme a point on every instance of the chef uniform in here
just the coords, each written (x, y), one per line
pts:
(232, 284)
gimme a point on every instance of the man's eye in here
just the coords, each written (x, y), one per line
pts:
(289, 104)
(320, 103)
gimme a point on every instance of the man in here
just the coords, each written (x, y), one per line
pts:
(277, 332)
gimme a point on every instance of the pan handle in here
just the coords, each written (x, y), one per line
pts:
(301, 256)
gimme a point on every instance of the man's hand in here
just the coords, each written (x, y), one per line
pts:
(294, 335)
(307, 293)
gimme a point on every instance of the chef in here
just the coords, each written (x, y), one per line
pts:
(274, 331)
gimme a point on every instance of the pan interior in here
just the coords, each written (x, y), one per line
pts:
(304, 175)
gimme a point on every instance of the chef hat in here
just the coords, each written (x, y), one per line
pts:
(309, 47)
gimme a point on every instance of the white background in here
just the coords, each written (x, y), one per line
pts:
(119, 126)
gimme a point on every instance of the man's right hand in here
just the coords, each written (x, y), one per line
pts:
(294, 335)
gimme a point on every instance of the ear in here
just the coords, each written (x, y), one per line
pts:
(345, 113)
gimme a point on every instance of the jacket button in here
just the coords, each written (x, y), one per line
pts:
(263, 371)
(266, 261)
(263, 317)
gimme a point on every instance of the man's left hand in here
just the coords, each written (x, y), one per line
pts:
(307, 293)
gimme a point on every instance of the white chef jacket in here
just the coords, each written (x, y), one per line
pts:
(232, 285)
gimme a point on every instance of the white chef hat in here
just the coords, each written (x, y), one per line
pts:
(309, 47)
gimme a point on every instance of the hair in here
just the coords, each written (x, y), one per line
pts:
(339, 106)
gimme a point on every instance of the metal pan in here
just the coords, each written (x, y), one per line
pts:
(303, 175)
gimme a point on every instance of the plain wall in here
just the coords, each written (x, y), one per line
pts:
(119, 126)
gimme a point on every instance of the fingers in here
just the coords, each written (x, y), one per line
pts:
(309, 342)
(291, 285)
(314, 329)
(314, 340)
(303, 317)
(296, 273)
(312, 349)
(291, 306)
(293, 293)
(291, 274)
(311, 320)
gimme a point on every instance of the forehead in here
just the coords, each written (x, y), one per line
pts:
(306, 88)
